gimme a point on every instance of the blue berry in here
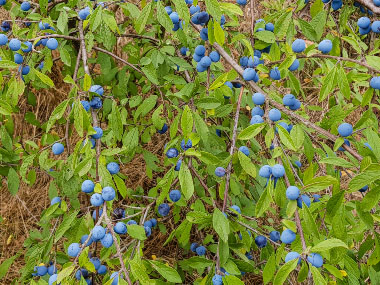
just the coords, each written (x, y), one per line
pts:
(298, 45)
(257, 111)
(193, 246)
(3, 39)
(25, 6)
(244, 150)
(288, 100)
(325, 46)
(164, 209)
(107, 240)
(57, 148)
(201, 250)
(295, 65)
(55, 200)
(175, 195)
(214, 56)
(108, 193)
(296, 105)
(73, 249)
(99, 133)
(375, 82)
(96, 262)
(102, 269)
(236, 208)
(96, 103)
(315, 259)
(220, 171)
(172, 152)
(261, 241)
(113, 167)
(256, 119)
(164, 129)
(293, 255)
(303, 199)
(86, 105)
(274, 115)
(148, 231)
(258, 98)
(278, 170)
(249, 74)
(292, 193)
(345, 129)
(217, 280)
(288, 236)
(274, 236)
(88, 186)
(98, 232)
(52, 44)
(364, 22)
(178, 165)
(84, 13)
(275, 74)
(84, 238)
(265, 171)
(96, 200)
(97, 89)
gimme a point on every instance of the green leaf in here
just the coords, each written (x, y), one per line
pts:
(232, 8)
(309, 224)
(143, 18)
(317, 276)
(221, 224)
(187, 121)
(337, 161)
(328, 84)
(182, 10)
(6, 264)
(373, 61)
(120, 184)
(343, 84)
(186, 181)
(219, 33)
(8, 64)
(334, 271)
(266, 36)
(13, 181)
(297, 134)
(163, 17)
(247, 164)
(145, 107)
(328, 244)
(151, 73)
(374, 142)
(44, 78)
(213, 8)
(284, 272)
(66, 272)
(57, 114)
(62, 21)
(318, 23)
(138, 270)
(263, 203)
(110, 21)
(307, 30)
(319, 183)
(282, 24)
(65, 225)
(285, 137)
(170, 274)
(251, 131)
(232, 280)
(269, 269)
(370, 174)
(316, 7)
(115, 122)
(84, 166)
(136, 231)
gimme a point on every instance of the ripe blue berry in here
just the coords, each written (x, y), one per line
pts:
(25, 6)
(261, 241)
(201, 250)
(88, 186)
(288, 236)
(113, 167)
(315, 259)
(96, 200)
(256, 119)
(295, 65)
(86, 105)
(288, 100)
(249, 74)
(345, 129)
(293, 255)
(102, 269)
(375, 82)
(175, 195)
(107, 240)
(97, 89)
(163, 209)
(164, 129)
(236, 208)
(108, 193)
(258, 98)
(96, 262)
(172, 152)
(52, 44)
(220, 171)
(257, 111)
(325, 46)
(274, 236)
(298, 45)
(193, 246)
(292, 192)
(364, 22)
(274, 115)
(265, 171)
(214, 56)
(99, 133)
(303, 199)
(275, 74)
(244, 150)
(73, 249)
(98, 232)
(57, 148)
(55, 200)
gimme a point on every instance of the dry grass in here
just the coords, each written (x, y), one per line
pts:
(21, 212)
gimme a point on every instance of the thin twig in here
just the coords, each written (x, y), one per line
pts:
(232, 148)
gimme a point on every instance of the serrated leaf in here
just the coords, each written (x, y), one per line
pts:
(221, 225)
(251, 131)
(328, 244)
(143, 18)
(163, 17)
(169, 273)
(186, 181)
(284, 272)
(247, 164)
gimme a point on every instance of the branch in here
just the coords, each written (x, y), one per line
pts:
(341, 58)
(203, 184)
(279, 106)
(370, 5)
(232, 148)
(119, 254)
